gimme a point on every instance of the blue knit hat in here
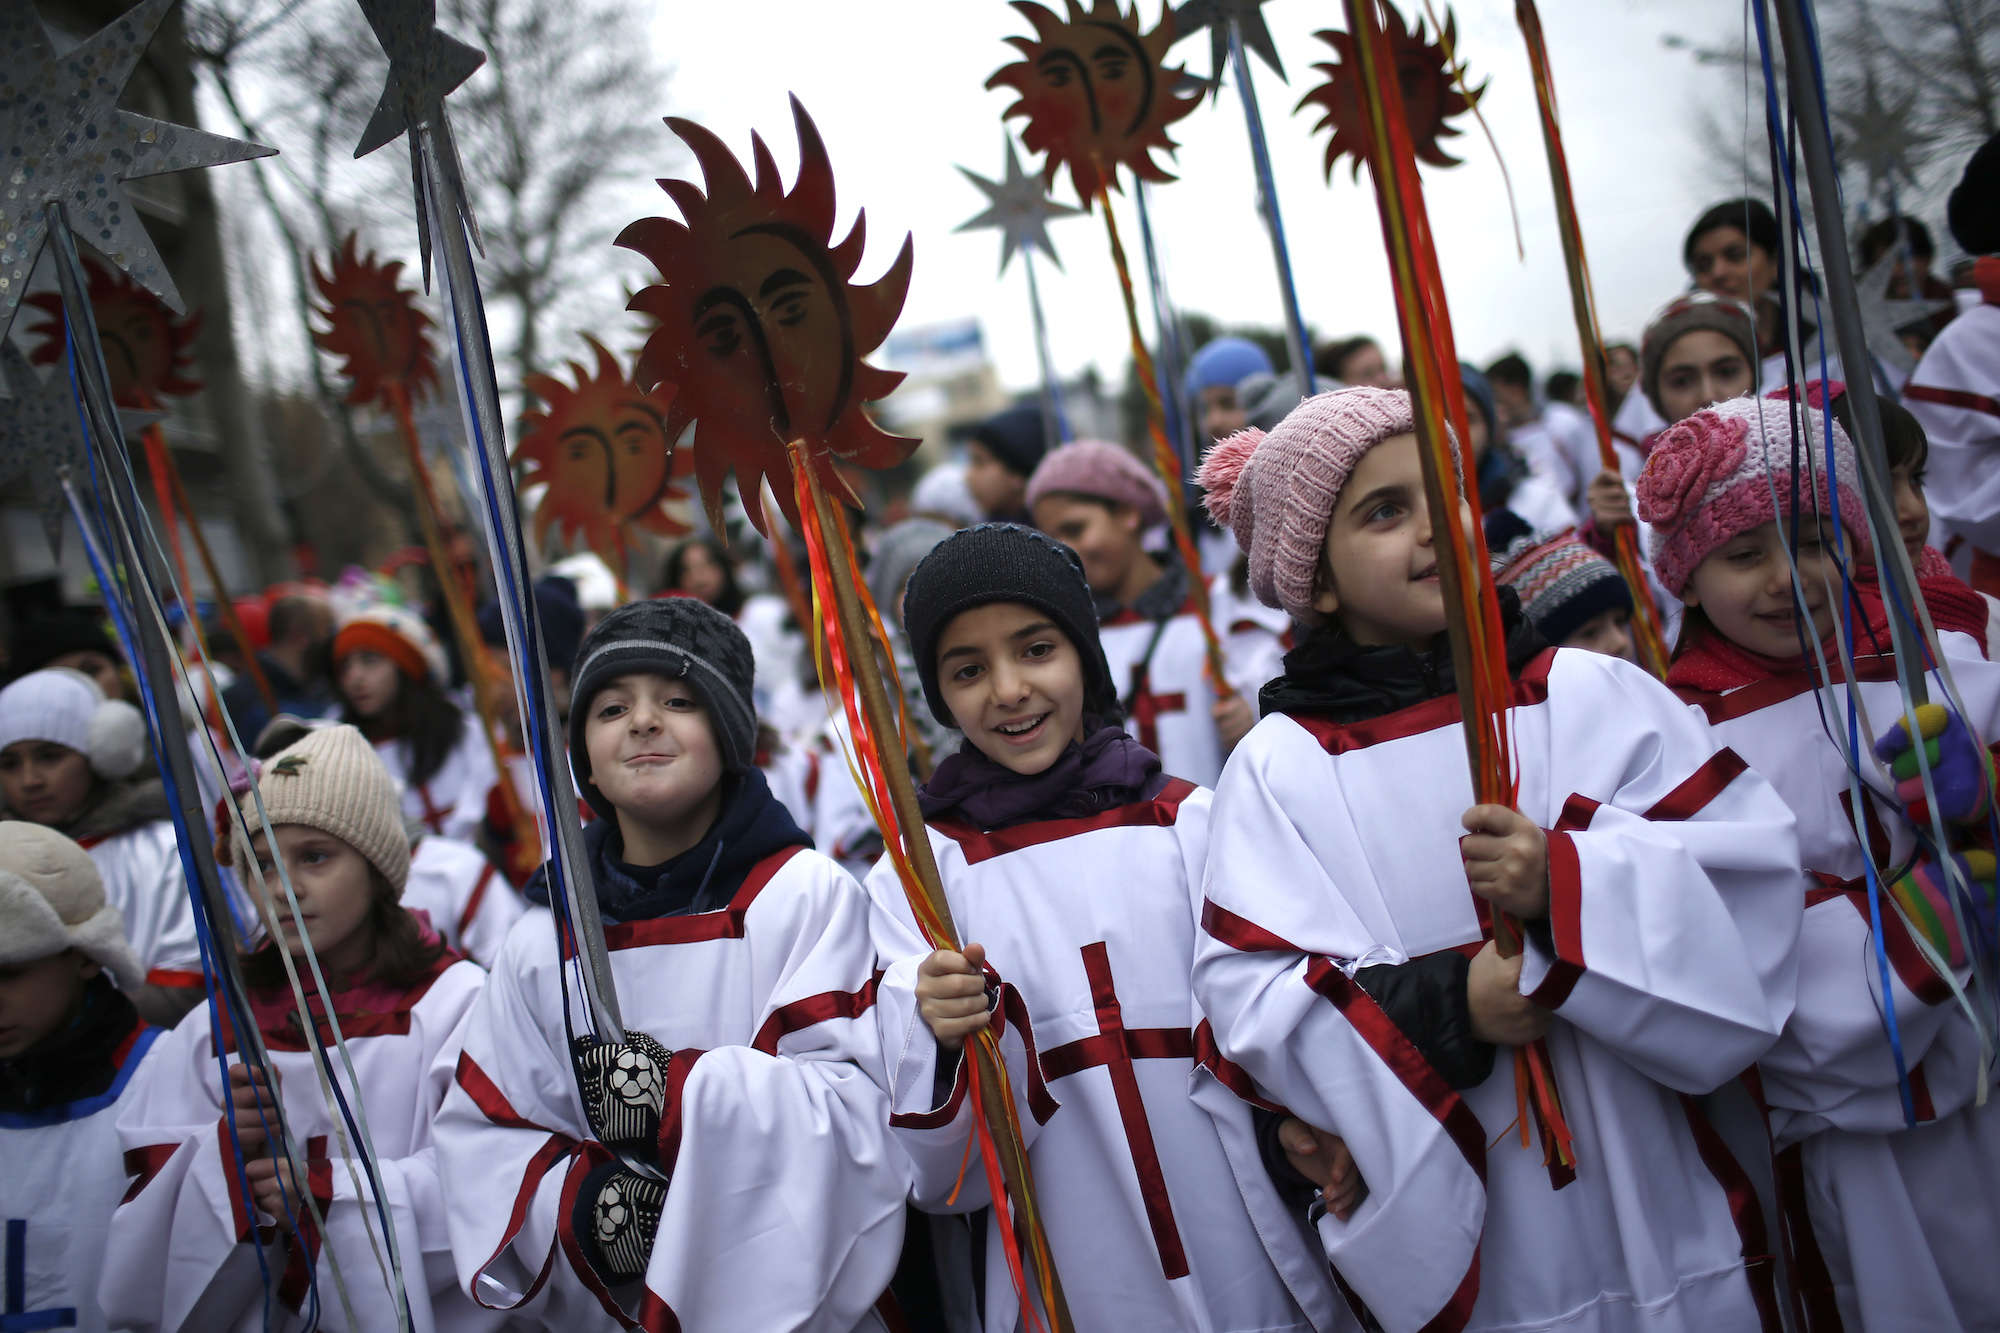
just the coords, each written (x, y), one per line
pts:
(1225, 361)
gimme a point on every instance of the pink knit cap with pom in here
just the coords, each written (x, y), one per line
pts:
(1276, 491)
(1103, 471)
(1727, 470)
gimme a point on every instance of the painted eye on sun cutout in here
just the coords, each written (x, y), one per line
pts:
(373, 324)
(148, 349)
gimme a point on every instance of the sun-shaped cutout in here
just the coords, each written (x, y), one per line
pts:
(604, 449)
(148, 349)
(760, 324)
(375, 326)
(1096, 93)
(1430, 84)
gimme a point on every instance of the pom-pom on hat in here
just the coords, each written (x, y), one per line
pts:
(1696, 310)
(1563, 584)
(330, 779)
(1727, 470)
(681, 637)
(52, 899)
(65, 707)
(1277, 491)
(397, 634)
(1101, 471)
(1004, 562)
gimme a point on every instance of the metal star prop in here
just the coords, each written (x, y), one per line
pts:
(1216, 16)
(1019, 208)
(425, 66)
(41, 437)
(1882, 315)
(1885, 140)
(66, 142)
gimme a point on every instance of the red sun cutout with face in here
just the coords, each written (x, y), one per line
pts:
(375, 327)
(1095, 92)
(1428, 79)
(761, 327)
(148, 349)
(605, 451)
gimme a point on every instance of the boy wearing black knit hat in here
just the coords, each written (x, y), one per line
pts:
(726, 1159)
(1002, 454)
(1072, 860)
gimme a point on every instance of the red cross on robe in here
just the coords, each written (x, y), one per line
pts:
(1148, 707)
(1114, 1048)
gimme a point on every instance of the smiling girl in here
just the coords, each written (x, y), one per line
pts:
(1348, 961)
(1894, 1222)
(726, 1163)
(1072, 861)
(180, 1252)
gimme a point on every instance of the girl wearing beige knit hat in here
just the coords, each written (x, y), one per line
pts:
(70, 1046)
(399, 997)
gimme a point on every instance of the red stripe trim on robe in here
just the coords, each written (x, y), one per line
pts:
(1403, 1059)
(589, 1156)
(1227, 1072)
(680, 1067)
(1912, 970)
(1812, 1283)
(977, 845)
(1964, 398)
(1720, 708)
(943, 1115)
(726, 924)
(477, 897)
(1759, 1263)
(301, 1259)
(240, 1212)
(1240, 934)
(144, 1163)
(1565, 922)
(815, 1009)
(1529, 688)
(1706, 783)
(496, 1108)
(174, 977)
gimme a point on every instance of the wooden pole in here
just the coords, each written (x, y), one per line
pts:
(879, 719)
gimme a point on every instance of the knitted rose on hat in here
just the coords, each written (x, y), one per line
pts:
(1688, 458)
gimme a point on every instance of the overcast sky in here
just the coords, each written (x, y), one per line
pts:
(896, 87)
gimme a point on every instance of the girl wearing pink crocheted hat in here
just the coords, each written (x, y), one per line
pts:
(1347, 965)
(1895, 1195)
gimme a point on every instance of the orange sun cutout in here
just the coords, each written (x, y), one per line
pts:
(1096, 93)
(760, 324)
(1430, 84)
(605, 451)
(373, 323)
(148, 349)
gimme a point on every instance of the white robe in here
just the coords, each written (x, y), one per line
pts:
(1905, 1220)
(144, 880)
(1255, 637)
(180, 1258)
(469, 902)
(1954, 393)
(64, 1174)
(1674, 911)
(453, 802)
(1154, 1204)
(1173, 711)
(785, 1207)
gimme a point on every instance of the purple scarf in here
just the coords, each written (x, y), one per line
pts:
(1107, 770)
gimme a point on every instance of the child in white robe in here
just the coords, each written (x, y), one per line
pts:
(1070, 861)
(70, 1043)
(1899, 1220)
(391, 674)
(727, 1163)
(199, 1236)
(1347, 961)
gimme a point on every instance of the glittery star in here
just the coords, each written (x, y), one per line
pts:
(41, 437)
(1882, 316)
(64, 141)
(1217, 16)
(1883, 139)
(1019, 208)
(425, 66)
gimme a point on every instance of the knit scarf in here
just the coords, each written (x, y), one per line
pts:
(1954, 604)
(1106, 770)
(1710, 663)
(277, 1012)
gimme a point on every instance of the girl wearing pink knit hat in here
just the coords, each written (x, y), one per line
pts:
(1347, 964)
(1901, 1214)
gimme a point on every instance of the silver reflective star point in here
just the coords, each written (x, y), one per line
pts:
(1019, 208)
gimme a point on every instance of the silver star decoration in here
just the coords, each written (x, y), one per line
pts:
(64, 141)
(41, 437)
(1883, 315)
(1216, 16)
(425, 66)
(1885, 140)
(1019, 208)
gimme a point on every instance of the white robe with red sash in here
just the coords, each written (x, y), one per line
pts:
(1172, 700)
(1674, 914)
(454, 801)
(181, 1257)
(469, 902)
(785, 1203)
(1954, 393)
(1905, 1222)
(1158, 1212)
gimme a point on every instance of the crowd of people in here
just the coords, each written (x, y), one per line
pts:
(1693, 1034)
